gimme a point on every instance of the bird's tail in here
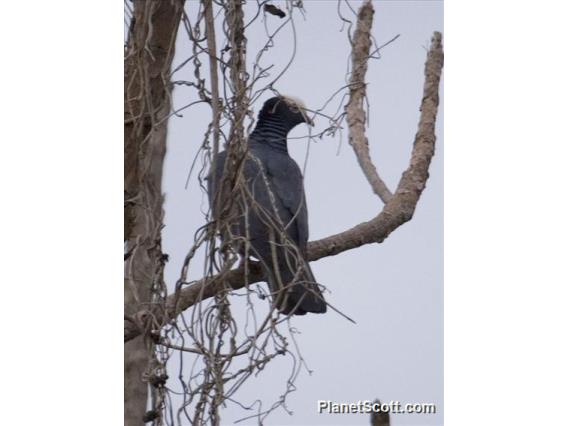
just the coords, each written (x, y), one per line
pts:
(295, 290)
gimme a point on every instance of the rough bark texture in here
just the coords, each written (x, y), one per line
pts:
(398, 210)
(148, 59)
(357, 91)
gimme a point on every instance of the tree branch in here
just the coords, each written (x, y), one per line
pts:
(212, 50)
(357, 92)
(398, 210)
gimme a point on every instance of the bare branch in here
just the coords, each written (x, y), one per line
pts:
(236, 149)
(401, 206)
(398, 210)
(357, 92)
(212, 50)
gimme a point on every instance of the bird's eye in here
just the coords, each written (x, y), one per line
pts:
(294, 108)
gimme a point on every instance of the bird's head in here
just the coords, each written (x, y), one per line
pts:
(287, 110)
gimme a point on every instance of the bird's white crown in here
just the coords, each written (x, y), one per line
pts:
(293, 100)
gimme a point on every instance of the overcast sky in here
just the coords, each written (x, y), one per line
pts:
(393, 290)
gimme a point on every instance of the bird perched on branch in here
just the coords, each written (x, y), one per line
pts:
(272, 214)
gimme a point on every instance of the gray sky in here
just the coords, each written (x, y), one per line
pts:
(393, 290)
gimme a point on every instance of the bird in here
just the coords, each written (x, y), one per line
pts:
(274, 216)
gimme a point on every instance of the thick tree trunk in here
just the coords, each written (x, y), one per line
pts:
(148, 59)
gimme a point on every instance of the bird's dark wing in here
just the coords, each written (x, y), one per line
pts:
(287, 184)
(214, 179)
(276, 184)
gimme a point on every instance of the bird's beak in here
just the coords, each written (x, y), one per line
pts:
(309, 121)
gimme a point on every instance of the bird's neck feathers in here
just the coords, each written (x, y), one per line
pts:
(271, 131)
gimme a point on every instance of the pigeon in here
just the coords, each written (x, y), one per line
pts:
(273, 216)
